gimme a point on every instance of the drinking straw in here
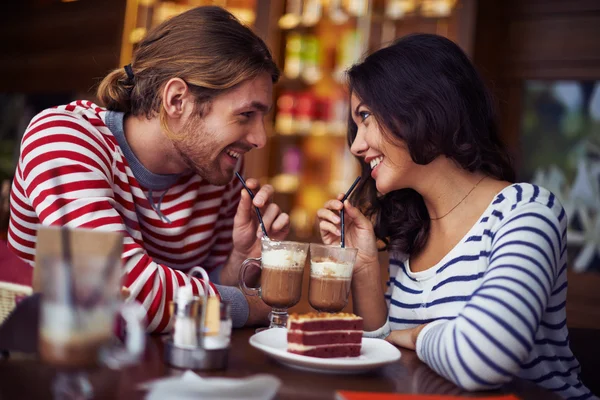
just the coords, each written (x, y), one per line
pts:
(70, 287)
(112, 262)
(260, 220)
(348, 193)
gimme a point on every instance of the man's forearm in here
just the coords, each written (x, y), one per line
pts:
(230, 272)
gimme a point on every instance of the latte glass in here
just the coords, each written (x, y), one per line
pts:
(282, 268)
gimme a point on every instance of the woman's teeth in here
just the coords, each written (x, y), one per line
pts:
(233, 154)
(375, 162)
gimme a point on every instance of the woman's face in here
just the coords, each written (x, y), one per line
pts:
(392, 168)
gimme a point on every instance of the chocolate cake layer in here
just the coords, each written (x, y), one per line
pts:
(320, 338)
(330, 351)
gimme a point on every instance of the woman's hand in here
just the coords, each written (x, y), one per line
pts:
(406, 338)
(359, 231)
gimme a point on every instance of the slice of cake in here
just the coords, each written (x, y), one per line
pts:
(325, 335)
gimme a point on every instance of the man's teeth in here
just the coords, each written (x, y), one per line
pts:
(233, 154)
(375, 162)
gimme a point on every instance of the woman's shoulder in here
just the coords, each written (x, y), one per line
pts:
(523, 198)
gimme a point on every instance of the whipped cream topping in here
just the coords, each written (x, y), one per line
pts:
(283, 259)
(331, 269)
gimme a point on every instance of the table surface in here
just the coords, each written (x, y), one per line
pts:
(23, 376)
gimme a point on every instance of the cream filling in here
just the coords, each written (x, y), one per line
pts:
(302, 318)
(301, 347)
(311, 333)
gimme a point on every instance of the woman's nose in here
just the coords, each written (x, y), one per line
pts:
(359, 145)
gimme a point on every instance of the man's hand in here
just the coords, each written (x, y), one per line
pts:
(246, 229)
(259, 312)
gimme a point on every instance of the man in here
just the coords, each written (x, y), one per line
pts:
(158, 163)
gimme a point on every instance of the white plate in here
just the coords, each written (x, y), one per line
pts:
(373, 354)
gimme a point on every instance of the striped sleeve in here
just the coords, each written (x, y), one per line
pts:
(485, 345)
(67, 177)
(223, 244)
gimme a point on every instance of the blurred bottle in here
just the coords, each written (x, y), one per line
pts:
(284, 119)
(311, 12)
(336, 13)
(311, 58)
(437, 8)
(357, 8)
(397, 9)
(349, 52)
(292, 16)
(305, 112)
(292, 64)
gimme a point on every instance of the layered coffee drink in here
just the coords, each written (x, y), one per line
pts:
(281, 277)
(71, 338)
(329, 284)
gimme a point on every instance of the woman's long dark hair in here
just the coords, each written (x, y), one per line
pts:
(423, 91)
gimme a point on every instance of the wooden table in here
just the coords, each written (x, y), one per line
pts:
(24, 377)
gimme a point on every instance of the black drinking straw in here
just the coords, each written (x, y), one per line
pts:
(260, 220)
(348, 193)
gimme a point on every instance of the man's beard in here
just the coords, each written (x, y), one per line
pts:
(190, 150)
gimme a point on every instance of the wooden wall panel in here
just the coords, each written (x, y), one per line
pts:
(517, 40)
(51, 46)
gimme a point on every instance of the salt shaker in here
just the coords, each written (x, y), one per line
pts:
(186, 314)
(202, 332)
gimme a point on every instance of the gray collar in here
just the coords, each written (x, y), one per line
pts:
(114, 121)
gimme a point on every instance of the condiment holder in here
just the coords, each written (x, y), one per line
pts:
(202, 330)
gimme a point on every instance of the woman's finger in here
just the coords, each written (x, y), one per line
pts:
(328, 227)
(357, 216)
(328, 215)
(333, 205)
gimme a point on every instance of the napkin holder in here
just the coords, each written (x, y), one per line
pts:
(195, 358)
(208, 317)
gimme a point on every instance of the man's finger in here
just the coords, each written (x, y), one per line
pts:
(244, 210)
(263, 196)
(269, 214)
(281, 223)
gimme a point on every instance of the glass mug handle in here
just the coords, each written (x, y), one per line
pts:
(250, 291)
(119, 356)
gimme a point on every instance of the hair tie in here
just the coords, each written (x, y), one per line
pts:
(129, 72)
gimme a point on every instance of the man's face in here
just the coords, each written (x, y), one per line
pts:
(233, 124)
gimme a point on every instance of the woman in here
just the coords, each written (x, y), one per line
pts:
(477, 265)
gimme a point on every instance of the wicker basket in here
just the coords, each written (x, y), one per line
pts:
(10, 294)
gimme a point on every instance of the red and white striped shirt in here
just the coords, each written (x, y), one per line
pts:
(72, 172)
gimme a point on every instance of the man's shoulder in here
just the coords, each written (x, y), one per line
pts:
(76, 121)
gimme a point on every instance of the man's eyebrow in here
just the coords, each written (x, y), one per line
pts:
(256, 105)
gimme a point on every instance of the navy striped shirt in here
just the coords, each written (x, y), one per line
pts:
(495, 303)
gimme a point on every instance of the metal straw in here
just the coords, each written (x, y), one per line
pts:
(260, 220)
(348, 193)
